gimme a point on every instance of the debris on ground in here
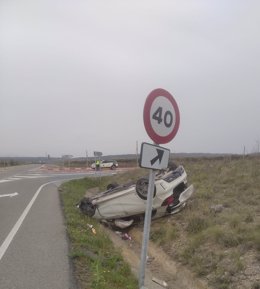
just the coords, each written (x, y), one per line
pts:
(149, 260)
(124, 236)
(160, 282)
(92, 228)
(217, 208)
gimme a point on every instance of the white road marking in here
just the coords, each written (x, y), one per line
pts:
(20, 177)
(9, 195)
(5, 181)
(31, 176)
(14, 178)
(39, 175)
(18, 224)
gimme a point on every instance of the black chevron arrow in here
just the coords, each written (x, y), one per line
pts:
(158, 157)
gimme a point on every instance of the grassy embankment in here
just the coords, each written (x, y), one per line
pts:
(217, 235)
(98, 265)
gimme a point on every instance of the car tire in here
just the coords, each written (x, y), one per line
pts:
(113, 167)
(142, 188)
(172, 166)
(87, 207)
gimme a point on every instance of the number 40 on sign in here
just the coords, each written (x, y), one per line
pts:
(161, 116)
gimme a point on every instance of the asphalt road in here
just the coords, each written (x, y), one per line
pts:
(33, 241)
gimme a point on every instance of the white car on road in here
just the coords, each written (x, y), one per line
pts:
(106, 164)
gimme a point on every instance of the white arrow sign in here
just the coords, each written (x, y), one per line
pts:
(154, 157)
(9, 195)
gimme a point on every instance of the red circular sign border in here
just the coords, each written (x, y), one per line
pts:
(146, 116)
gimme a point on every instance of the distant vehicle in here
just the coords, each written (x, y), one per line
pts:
(123, 205)
(106, 164)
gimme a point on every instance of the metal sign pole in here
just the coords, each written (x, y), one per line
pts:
(161, 120)
(147, 223)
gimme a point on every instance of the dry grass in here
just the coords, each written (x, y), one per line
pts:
(218, 234)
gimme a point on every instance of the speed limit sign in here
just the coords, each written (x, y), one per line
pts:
(161, 116)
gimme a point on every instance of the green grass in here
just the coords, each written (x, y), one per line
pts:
(98, 265)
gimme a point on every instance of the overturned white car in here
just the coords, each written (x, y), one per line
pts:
(122, 205)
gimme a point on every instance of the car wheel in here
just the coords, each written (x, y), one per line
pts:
(172, 166)
(113, 167)
(87, 207)
(142, 188)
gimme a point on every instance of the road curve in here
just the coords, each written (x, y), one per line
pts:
(33, 241)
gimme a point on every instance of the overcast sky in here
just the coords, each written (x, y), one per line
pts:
(74, 75)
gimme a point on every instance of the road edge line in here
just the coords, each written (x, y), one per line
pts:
(19, 222)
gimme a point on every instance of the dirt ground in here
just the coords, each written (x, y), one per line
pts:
(159, 266)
